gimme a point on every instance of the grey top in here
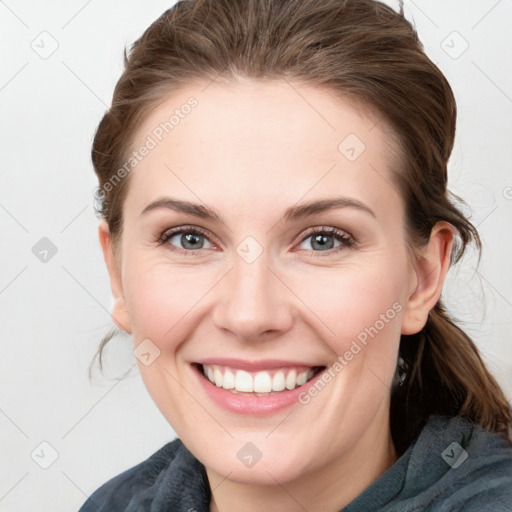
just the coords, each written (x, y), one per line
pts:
(453, 465)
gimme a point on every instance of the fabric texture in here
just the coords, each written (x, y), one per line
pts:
(453, 465)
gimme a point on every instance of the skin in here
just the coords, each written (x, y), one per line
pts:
(250, 150)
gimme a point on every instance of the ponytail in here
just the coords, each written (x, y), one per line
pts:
(442, 372)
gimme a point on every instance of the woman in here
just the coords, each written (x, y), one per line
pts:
(277, 229)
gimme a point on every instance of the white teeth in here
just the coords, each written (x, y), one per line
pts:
(244, 382)
(291, 380)
(229, 380)
(302, 378)
(260, 382)
(278, 381)
(218, 377)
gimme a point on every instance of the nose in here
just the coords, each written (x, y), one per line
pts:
(254, 303)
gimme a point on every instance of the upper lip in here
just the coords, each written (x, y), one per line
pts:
(254, 366)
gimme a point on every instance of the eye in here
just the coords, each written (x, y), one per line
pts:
(324, 238)
(191, 238)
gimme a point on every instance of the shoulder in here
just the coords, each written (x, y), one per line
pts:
(464, 466)
(117, 493)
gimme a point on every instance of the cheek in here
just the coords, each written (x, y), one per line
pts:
(159, 297)
(358, 311)
(162, 300)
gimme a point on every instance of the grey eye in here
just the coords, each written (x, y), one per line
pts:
(189, 240)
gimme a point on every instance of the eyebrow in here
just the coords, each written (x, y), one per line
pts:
(293, 213)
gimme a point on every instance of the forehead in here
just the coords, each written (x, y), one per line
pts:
(267, 142)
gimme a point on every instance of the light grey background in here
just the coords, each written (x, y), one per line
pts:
(54, 313)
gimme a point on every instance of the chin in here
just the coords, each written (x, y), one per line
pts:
(243, 463)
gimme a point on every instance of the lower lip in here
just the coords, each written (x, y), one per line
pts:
(252, 405)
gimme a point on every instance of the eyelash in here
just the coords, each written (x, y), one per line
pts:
(346, 240)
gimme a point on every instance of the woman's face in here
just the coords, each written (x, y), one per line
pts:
(255, 299)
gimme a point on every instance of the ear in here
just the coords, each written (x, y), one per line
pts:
(430, 269)
(119, 312)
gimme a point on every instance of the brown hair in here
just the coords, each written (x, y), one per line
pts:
(361, 49)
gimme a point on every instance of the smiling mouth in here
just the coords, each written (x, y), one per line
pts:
(260, 383)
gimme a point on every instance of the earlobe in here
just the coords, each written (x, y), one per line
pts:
(119, 313)
(430, 268)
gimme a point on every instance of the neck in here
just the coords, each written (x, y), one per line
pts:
(330, 488)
